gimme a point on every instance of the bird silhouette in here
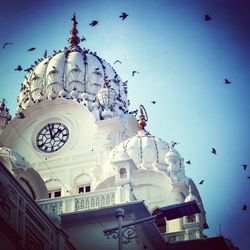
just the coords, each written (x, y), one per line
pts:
(134, 112)
(244, 166)
(248, 177)
(207, 17)
(117, 61)
(123, 15)
(19, 68)
(28, 69)
(93, 23)
(45, 54)
(5, 44)
(173, 143)
(244, 207)
(125, 83)
(214, 151)
(20, 115)
(153, 102)
(188, 162)
(201, 182)
(133, 72)
(226, 81)
(83, 39)
(31, 49)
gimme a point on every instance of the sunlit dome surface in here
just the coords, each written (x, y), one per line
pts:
(144, 149)
(75, 73)
(147, 151)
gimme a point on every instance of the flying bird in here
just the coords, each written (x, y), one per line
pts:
(19, 68)
(244, 207)
(173, 143)
(5, 44)
(83, 39)
(207, 17)
(133, 72)
(31, 49)
(244, 166)
(188, 162)
(93, 23)
(214, 151)
(201, 182)
(153, 102)
(123, 15)
(226, 81)
(248, 177)
(117, 61)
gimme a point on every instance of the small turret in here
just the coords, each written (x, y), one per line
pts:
(5, 116)
(192, 224)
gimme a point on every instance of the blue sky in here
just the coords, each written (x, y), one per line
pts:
(182, 61)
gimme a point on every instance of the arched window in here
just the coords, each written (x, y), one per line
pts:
(54, 188)
(160, 221)
(191, 218)
(82, 183)
(123, 173)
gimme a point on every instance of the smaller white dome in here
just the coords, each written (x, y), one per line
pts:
(144, 149)
(190, 196)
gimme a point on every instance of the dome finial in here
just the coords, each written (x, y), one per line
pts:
(74, 39)
(143, 117)
(190, 190)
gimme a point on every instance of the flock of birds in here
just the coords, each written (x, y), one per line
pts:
(213, 151)
(93, 23)
(123, 16)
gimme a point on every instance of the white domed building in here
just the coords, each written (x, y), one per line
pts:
(73, 129)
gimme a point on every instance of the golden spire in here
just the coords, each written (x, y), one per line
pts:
(143, 117)
(74, 39)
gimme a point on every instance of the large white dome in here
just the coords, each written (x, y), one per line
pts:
(74, 73)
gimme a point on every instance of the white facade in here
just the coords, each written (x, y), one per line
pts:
(73, 127)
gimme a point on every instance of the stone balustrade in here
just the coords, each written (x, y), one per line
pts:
(79, 202)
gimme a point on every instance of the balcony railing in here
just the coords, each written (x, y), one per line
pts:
(175, 236)
(79, 202)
